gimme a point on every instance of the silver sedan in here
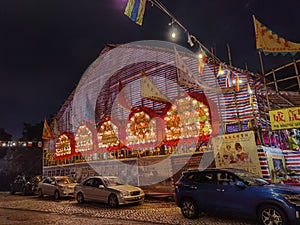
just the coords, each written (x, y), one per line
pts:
(108, 189)
(57, 186)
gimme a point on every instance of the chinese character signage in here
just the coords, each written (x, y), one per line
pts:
(237, 150)
(288, 118)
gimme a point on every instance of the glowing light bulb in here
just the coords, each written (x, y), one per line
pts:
(200, 55)
(173, 34)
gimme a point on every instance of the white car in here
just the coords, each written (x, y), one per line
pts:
(57, 186)
(108, 189)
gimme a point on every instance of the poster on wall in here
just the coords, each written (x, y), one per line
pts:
(237, 150)
(277, 166)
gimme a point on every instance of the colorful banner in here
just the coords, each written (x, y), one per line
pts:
(269, 42)
(135, 10)
(237, 150)
(288, 118)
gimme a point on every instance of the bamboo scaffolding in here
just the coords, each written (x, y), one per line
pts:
(235, 101)
(282, 67)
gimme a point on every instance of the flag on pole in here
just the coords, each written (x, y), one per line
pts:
(250, 95)
(202, 61)
(149, 90)
(220, 70)
(269, 42)
(135, 10)
(184, 74)
(122, 99)
(229, 79)
(237, 83)
(47, 134)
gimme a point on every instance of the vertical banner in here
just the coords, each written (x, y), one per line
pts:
(237, 150)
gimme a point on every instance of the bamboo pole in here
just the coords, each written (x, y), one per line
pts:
(234, 92)
(267, 95)
(275, 81)
(282, 67)
(297, 73)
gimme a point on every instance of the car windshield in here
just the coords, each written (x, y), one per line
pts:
(65, 180)
(112, 181)
(251, 179)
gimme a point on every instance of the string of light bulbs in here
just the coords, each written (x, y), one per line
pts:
(191, 39)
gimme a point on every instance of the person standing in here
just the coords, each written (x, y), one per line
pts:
(292, 142)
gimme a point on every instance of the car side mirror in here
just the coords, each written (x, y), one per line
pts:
(101, 186)
(240, 184)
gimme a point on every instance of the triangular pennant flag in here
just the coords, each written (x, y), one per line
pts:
(250, 95)
(47, 134)
(220, 70)
(237, 83)
(135, 10)
(122, 99)
(202, 61)
(184, 74)
(269, 42)
(149, 90)
(229, 79)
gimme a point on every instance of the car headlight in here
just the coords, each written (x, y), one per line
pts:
(125, 193)
(293, 199)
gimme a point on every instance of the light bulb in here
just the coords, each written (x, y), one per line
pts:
(200, 55)
(173, 34)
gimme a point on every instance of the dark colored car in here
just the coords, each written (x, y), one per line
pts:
(237, 192)
(27, 185)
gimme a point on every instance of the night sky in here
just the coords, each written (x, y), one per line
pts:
(46, 45)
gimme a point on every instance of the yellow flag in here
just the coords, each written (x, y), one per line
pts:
(149, 90)
(47, 134)
(269, 42)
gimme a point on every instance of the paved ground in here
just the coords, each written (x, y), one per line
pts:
(29, 210)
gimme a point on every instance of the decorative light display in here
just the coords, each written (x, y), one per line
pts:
(141, 129)
(187, 118)
(108, 135)
(84, 139)
(63, 146)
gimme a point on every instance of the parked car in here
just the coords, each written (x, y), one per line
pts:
(27, 185)
(108, 189)
(57, 186)
(237, 192)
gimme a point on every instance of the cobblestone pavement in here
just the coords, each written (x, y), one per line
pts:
(32, 210)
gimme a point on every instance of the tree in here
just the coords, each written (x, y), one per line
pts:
(32, 132)
(4, 136)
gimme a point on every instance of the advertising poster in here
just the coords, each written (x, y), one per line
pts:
(277, 166)
(237, 150)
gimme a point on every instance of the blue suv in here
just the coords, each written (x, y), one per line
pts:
(234, 191)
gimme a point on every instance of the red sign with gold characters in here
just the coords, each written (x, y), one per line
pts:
(288, 118)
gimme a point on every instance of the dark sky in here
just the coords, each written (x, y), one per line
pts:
(46, 45)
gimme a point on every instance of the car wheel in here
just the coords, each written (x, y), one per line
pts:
(56, 195)
(271, 214)
(113, 201)
(189, 208)
(80, 198)
(24, 192)
(40, 193)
